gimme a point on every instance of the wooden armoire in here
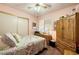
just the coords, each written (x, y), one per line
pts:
(67, 33)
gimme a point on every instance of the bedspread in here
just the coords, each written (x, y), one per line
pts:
(29, 45)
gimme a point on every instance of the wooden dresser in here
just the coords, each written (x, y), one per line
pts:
(67, 33)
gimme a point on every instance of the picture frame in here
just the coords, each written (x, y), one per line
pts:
(34, 24)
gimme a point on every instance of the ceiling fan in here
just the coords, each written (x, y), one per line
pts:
(43, 5)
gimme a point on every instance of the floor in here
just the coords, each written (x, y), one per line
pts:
(50, 51)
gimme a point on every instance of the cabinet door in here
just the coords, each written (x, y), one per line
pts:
(71, 28)
(59, 29)
(65, 30)
(22, 26)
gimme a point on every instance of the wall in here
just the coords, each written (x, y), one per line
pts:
(55, 15)
(16, 12)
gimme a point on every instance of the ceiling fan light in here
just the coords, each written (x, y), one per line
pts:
(45, 7)
(37, 4)
(29, 7)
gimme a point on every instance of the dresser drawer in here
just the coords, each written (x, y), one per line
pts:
(66, 46)
(60, 47)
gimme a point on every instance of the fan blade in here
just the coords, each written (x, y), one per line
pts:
(44, 5)
(48, 5)
(29, 7)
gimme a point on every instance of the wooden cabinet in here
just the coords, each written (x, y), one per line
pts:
(67, 30)
(59, 29)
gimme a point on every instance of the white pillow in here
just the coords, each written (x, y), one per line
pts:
(11, 37)
(17, 37)
(3, 45)
(9, 40)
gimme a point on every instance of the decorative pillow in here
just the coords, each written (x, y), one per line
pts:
(9, 40)
(3, 46)
(17, 37)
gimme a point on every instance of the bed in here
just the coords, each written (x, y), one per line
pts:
(28, 45)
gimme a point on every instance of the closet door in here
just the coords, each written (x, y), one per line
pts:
(22, 26)
(8, 23)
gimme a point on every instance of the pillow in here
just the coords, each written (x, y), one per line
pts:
(17, 37)
(3, 46)
(9, 40)
(9, 35)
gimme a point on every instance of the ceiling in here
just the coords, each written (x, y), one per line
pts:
(39, 9)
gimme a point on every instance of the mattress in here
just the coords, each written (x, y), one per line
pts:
(28, 45)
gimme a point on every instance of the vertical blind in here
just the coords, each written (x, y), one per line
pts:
(41, 26)
(45, 25)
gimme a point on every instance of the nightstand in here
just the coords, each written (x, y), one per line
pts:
(52, 43)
